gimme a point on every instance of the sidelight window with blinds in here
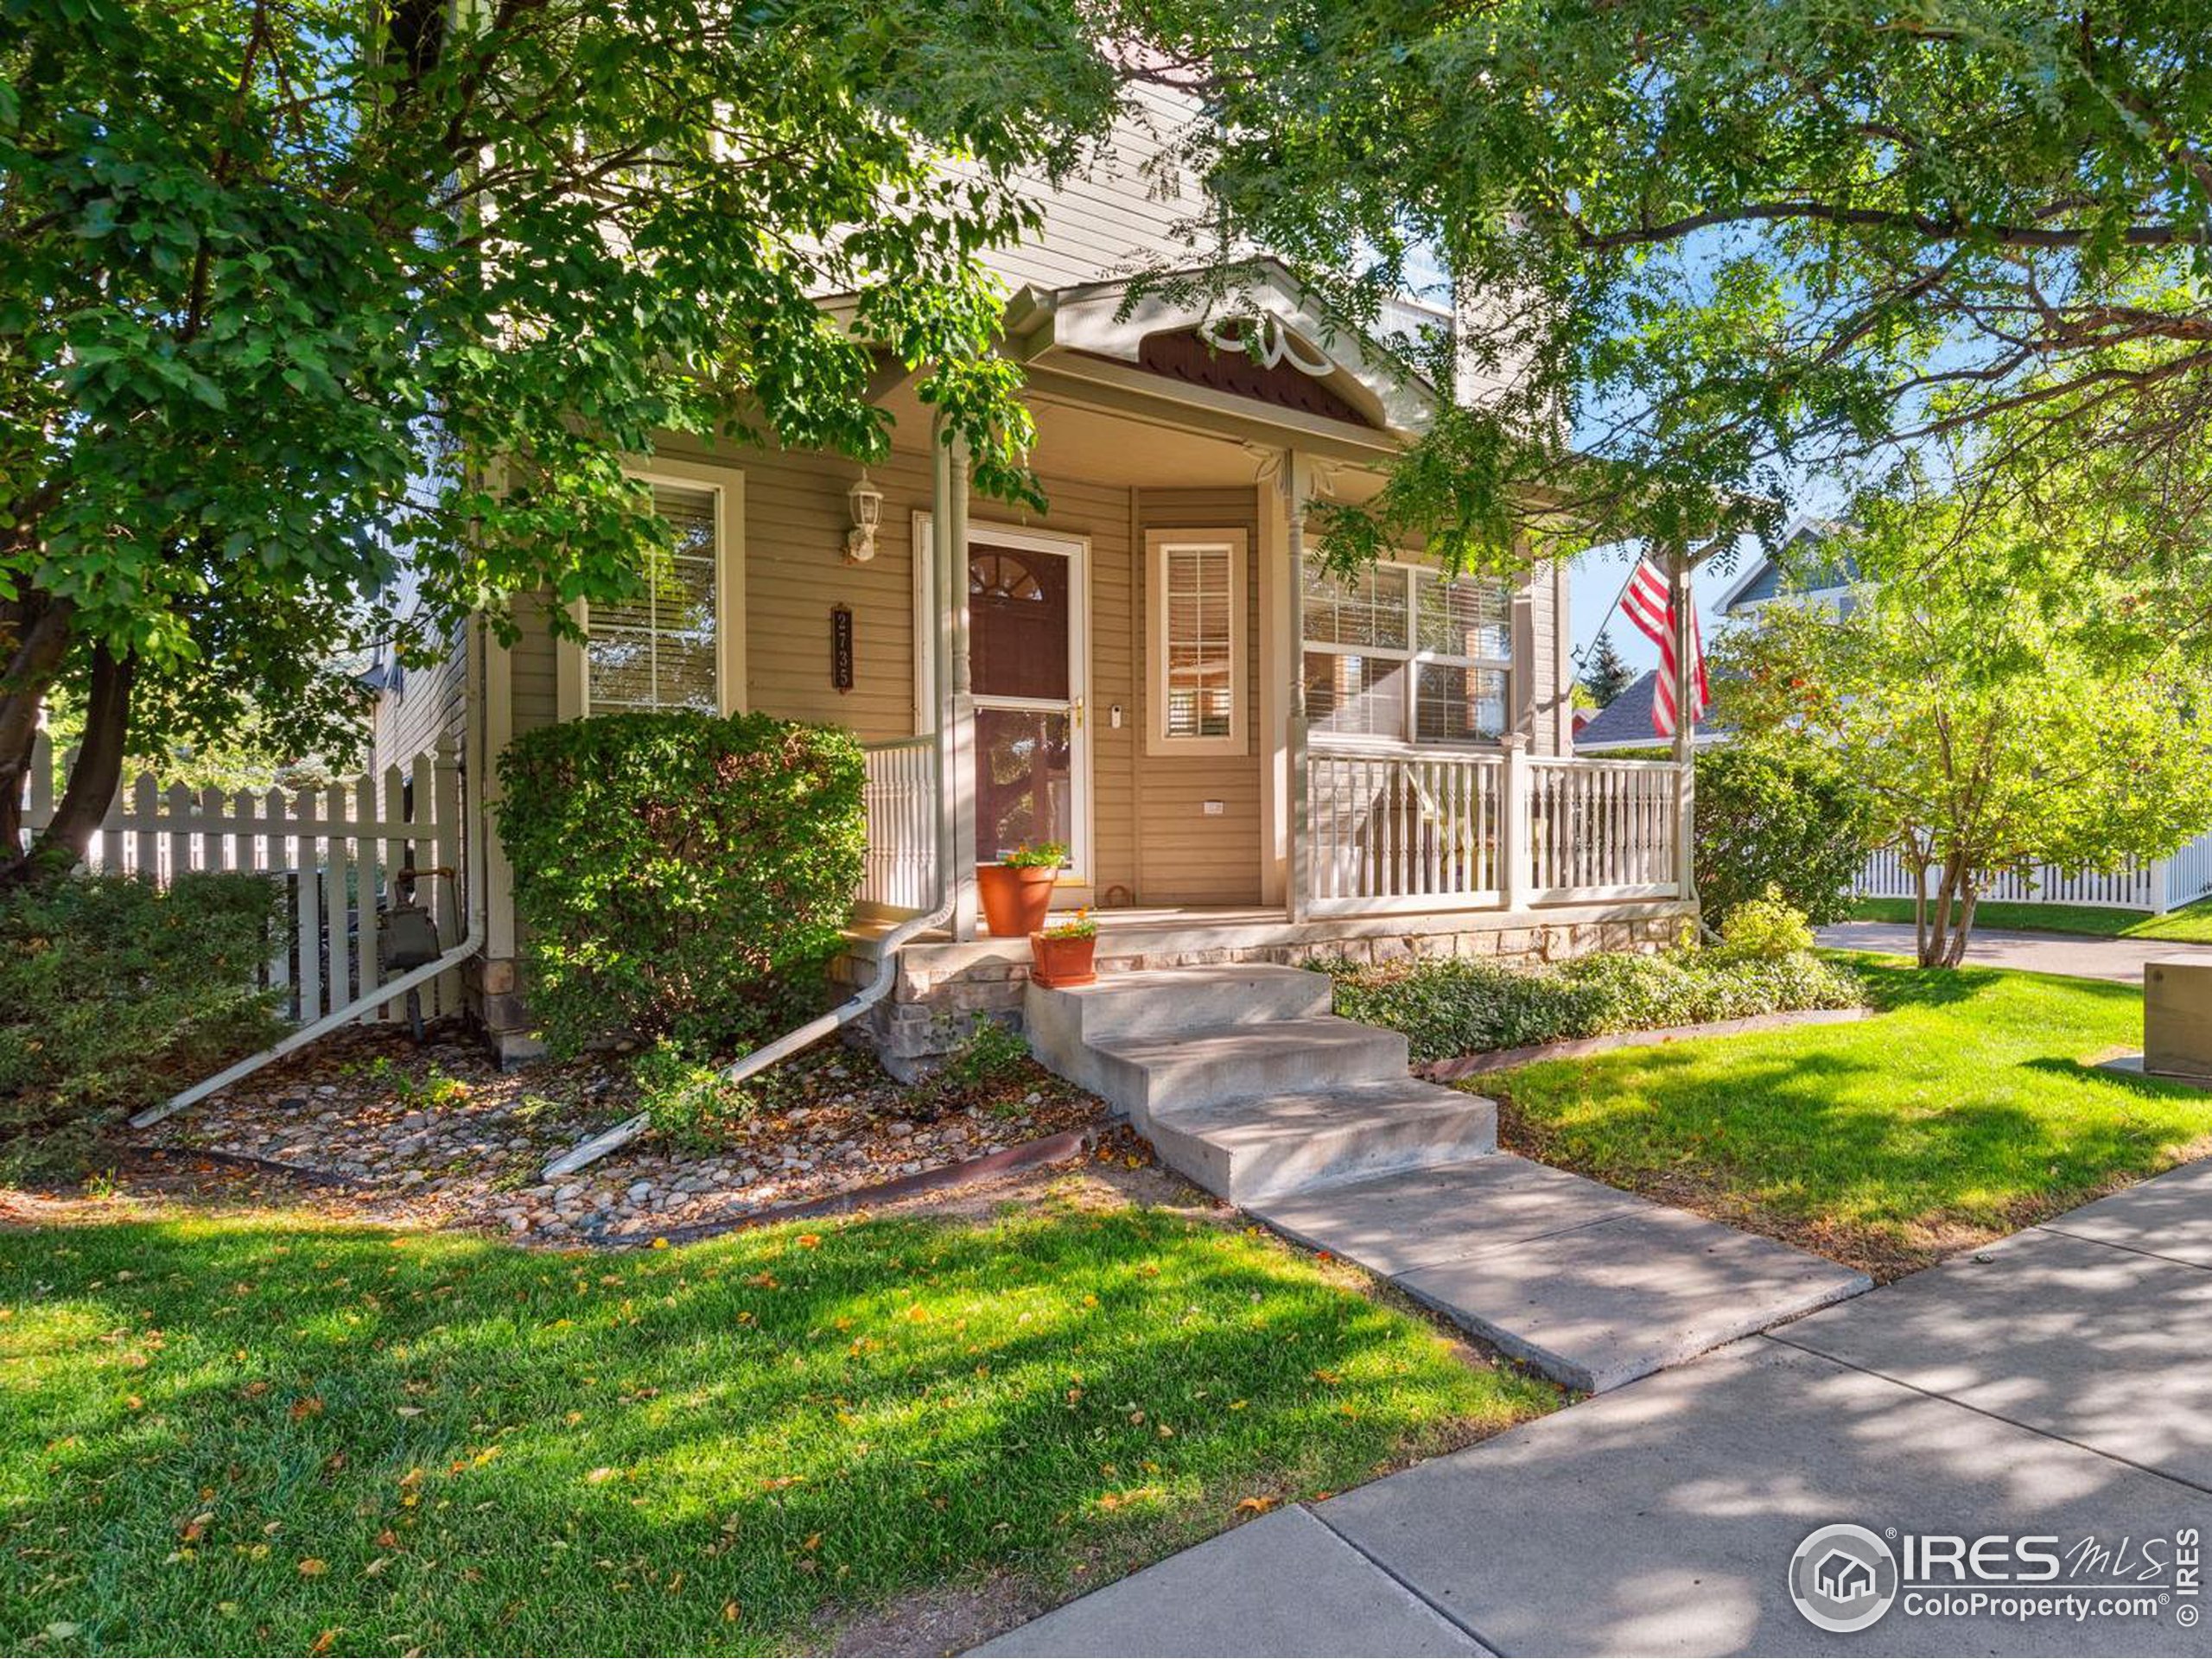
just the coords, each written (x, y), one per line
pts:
(1197, 599)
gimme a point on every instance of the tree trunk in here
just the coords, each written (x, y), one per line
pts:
(92, 781)
(34, 639)
(1957, 953)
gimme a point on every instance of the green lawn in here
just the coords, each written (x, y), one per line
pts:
(1963, 1111)
(274, 1433)
(2192, 923)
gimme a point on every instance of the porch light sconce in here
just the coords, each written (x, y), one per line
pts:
(867, 502)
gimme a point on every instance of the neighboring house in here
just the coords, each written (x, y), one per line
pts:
(1625, 723)
(1247, 759)
(1807, 569)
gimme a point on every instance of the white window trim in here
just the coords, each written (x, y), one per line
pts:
(1157, 545)
(1414, 657)
(572, 681)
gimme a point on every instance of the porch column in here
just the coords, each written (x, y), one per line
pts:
(1679, 566)
(1295, 481)
(1277, 672)
(955, 725)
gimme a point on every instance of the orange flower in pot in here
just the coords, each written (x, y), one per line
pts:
(1017, 891)
(1063, 954)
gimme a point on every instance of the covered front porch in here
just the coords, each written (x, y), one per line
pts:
(1373, 836)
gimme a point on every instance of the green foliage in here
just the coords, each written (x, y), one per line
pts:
(1714, 247)
(435, 1090)
(991, 1058)
(1780, 815)
(1765, 928)
(1449, 1006)
(284, 288)
(1081, 926)
(2002, 700)
(1037, 855)
(761, 1434)
(685, 1100)
(680, 874)
(1607, 674)
(114, 994)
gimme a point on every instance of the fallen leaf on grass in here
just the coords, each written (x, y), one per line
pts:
(313, 1568)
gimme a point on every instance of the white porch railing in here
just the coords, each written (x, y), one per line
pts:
(339, 854)
(1396, 832)
(1399, 832)
(2158, 886)
(900, 874)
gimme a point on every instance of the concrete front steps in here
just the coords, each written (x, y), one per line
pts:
(1246, 1083)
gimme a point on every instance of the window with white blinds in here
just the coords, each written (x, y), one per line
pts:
(1197, 601)
(658, 649)
(1402, 653)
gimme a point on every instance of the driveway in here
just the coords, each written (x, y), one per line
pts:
(2056, 1386)
(2078, 955)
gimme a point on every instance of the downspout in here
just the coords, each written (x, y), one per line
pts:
(942, 524)
(471, 943)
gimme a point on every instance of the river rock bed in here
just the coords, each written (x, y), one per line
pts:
(440, 1135)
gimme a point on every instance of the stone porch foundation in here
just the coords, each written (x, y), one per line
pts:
(943, 985)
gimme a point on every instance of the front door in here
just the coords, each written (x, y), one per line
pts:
(1025, 595)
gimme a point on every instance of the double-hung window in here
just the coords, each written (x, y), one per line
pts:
(675, 641)
(1400, 653)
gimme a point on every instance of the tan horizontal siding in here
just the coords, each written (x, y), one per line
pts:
(1187, 856)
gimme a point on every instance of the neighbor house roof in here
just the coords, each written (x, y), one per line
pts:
(1805, 565)
(1625, 723)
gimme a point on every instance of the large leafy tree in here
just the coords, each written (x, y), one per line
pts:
(281, 297)
(2017, 706)
(1712, 246)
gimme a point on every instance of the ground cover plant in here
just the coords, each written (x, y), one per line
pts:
(112, 993)
(1967, 1108)
(1449, 1006)
(2192, 923)
(271, 1432)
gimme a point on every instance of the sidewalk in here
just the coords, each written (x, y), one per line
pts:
(2058, 1384)
(2077, 955)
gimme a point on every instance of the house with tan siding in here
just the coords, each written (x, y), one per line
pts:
(1246, 758)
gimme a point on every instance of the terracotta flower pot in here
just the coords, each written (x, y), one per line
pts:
(1058, 963)
(1015, 900)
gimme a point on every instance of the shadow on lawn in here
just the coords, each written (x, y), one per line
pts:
(223, 1439)
(1885, 1144)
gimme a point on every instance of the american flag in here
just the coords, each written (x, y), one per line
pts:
(1649, 602)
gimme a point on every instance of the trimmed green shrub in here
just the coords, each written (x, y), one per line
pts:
(680, 875)
(114, 994)
(1768, 928)
(1449, 1006)
(1791, 822)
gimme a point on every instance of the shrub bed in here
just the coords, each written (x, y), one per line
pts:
(680, 875)
(113, 994)
(1449, 1006)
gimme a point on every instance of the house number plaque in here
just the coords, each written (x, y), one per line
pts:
(841, 646)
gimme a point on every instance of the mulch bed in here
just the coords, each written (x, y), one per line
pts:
(440, 1137)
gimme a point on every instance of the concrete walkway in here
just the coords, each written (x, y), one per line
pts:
(2059, 1383)
(1244, 1080)
(2075, 954)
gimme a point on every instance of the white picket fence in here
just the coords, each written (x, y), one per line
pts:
(340, 854)
(2158, 886)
